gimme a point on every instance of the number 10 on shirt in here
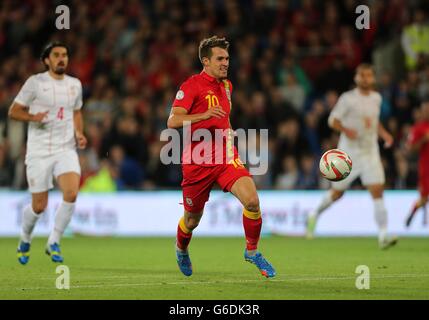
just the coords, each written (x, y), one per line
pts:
(212, 100)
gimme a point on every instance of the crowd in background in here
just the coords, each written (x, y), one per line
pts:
(289, 62)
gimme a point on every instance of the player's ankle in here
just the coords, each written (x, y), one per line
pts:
(180, 250)
(251, 252)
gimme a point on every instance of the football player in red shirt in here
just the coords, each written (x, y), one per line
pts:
(204, 100)
(419, 142)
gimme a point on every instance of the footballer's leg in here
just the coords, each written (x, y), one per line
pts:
(330, 197)
(335, 193)
(380, 214)
(421, 202)
(425, 212)
(39, 178)
(30, 215)
(69, 185)
(187, 224)
(245, 190)
(196, 185)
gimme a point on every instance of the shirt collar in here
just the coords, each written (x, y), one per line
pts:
(208, 77)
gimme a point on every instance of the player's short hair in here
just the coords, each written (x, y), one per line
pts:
(48, 48)
(206, 45)
(364, 66)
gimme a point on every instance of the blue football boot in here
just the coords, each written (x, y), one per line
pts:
(54, 251)
(184, 262)
(23, 252)
(263, 265)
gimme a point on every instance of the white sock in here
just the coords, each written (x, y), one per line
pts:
(380, 214)
(326, 203)
(29, 219)
(62, 219)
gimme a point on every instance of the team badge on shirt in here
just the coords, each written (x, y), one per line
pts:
(189, 202)
(180, 95)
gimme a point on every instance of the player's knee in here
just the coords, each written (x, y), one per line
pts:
(252, 203)
(337, 195)
(70, 195)
(39, 206)
(376, 191)
(377, 194)
(192, 223)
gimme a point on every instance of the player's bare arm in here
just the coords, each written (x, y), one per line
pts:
(338, 126)
(179, 115)
(415, 147)
(78, 125)
(385, 135)
(21, 113)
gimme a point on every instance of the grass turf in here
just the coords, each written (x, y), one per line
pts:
(145, 268)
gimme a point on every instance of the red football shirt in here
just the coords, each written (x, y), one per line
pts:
(197, 94)
(417, 132)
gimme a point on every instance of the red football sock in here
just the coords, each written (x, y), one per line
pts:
(252, 223)
(184, 235)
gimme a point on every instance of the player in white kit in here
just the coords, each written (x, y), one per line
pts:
(51, 104)
(356, 117)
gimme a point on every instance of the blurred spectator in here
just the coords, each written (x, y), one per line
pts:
(404, 180)
(337, 77)
(158, 173)
(324, 108)
(308, 177)
(126, 134)
(311, 133)
(131, 174)
(288, 176)
(288, 67)
(256, 111)
(293, 93)
(6, 168)
(386, 89)
(423, 85)
(349, 48)
(258, 155)
(415, 40)
(402, 103)
(103, 180)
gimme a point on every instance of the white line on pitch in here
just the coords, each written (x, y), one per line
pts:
(220, 282)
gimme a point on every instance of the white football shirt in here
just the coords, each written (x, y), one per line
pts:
(361, 113)
(61, 98)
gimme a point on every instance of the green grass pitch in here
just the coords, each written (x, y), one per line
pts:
(145, 268)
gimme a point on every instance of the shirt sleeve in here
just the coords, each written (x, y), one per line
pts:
(185, 97)
(79, 99)
(339, 110)
(27, 94)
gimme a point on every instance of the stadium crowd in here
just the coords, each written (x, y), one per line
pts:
(290, 60)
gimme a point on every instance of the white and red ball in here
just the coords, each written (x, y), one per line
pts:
(335, 165)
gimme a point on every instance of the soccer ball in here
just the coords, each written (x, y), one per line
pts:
(335, 165)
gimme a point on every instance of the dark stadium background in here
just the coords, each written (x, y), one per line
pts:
(289, 62)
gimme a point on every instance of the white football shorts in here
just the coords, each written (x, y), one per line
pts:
(41, 171)
(367, 167)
